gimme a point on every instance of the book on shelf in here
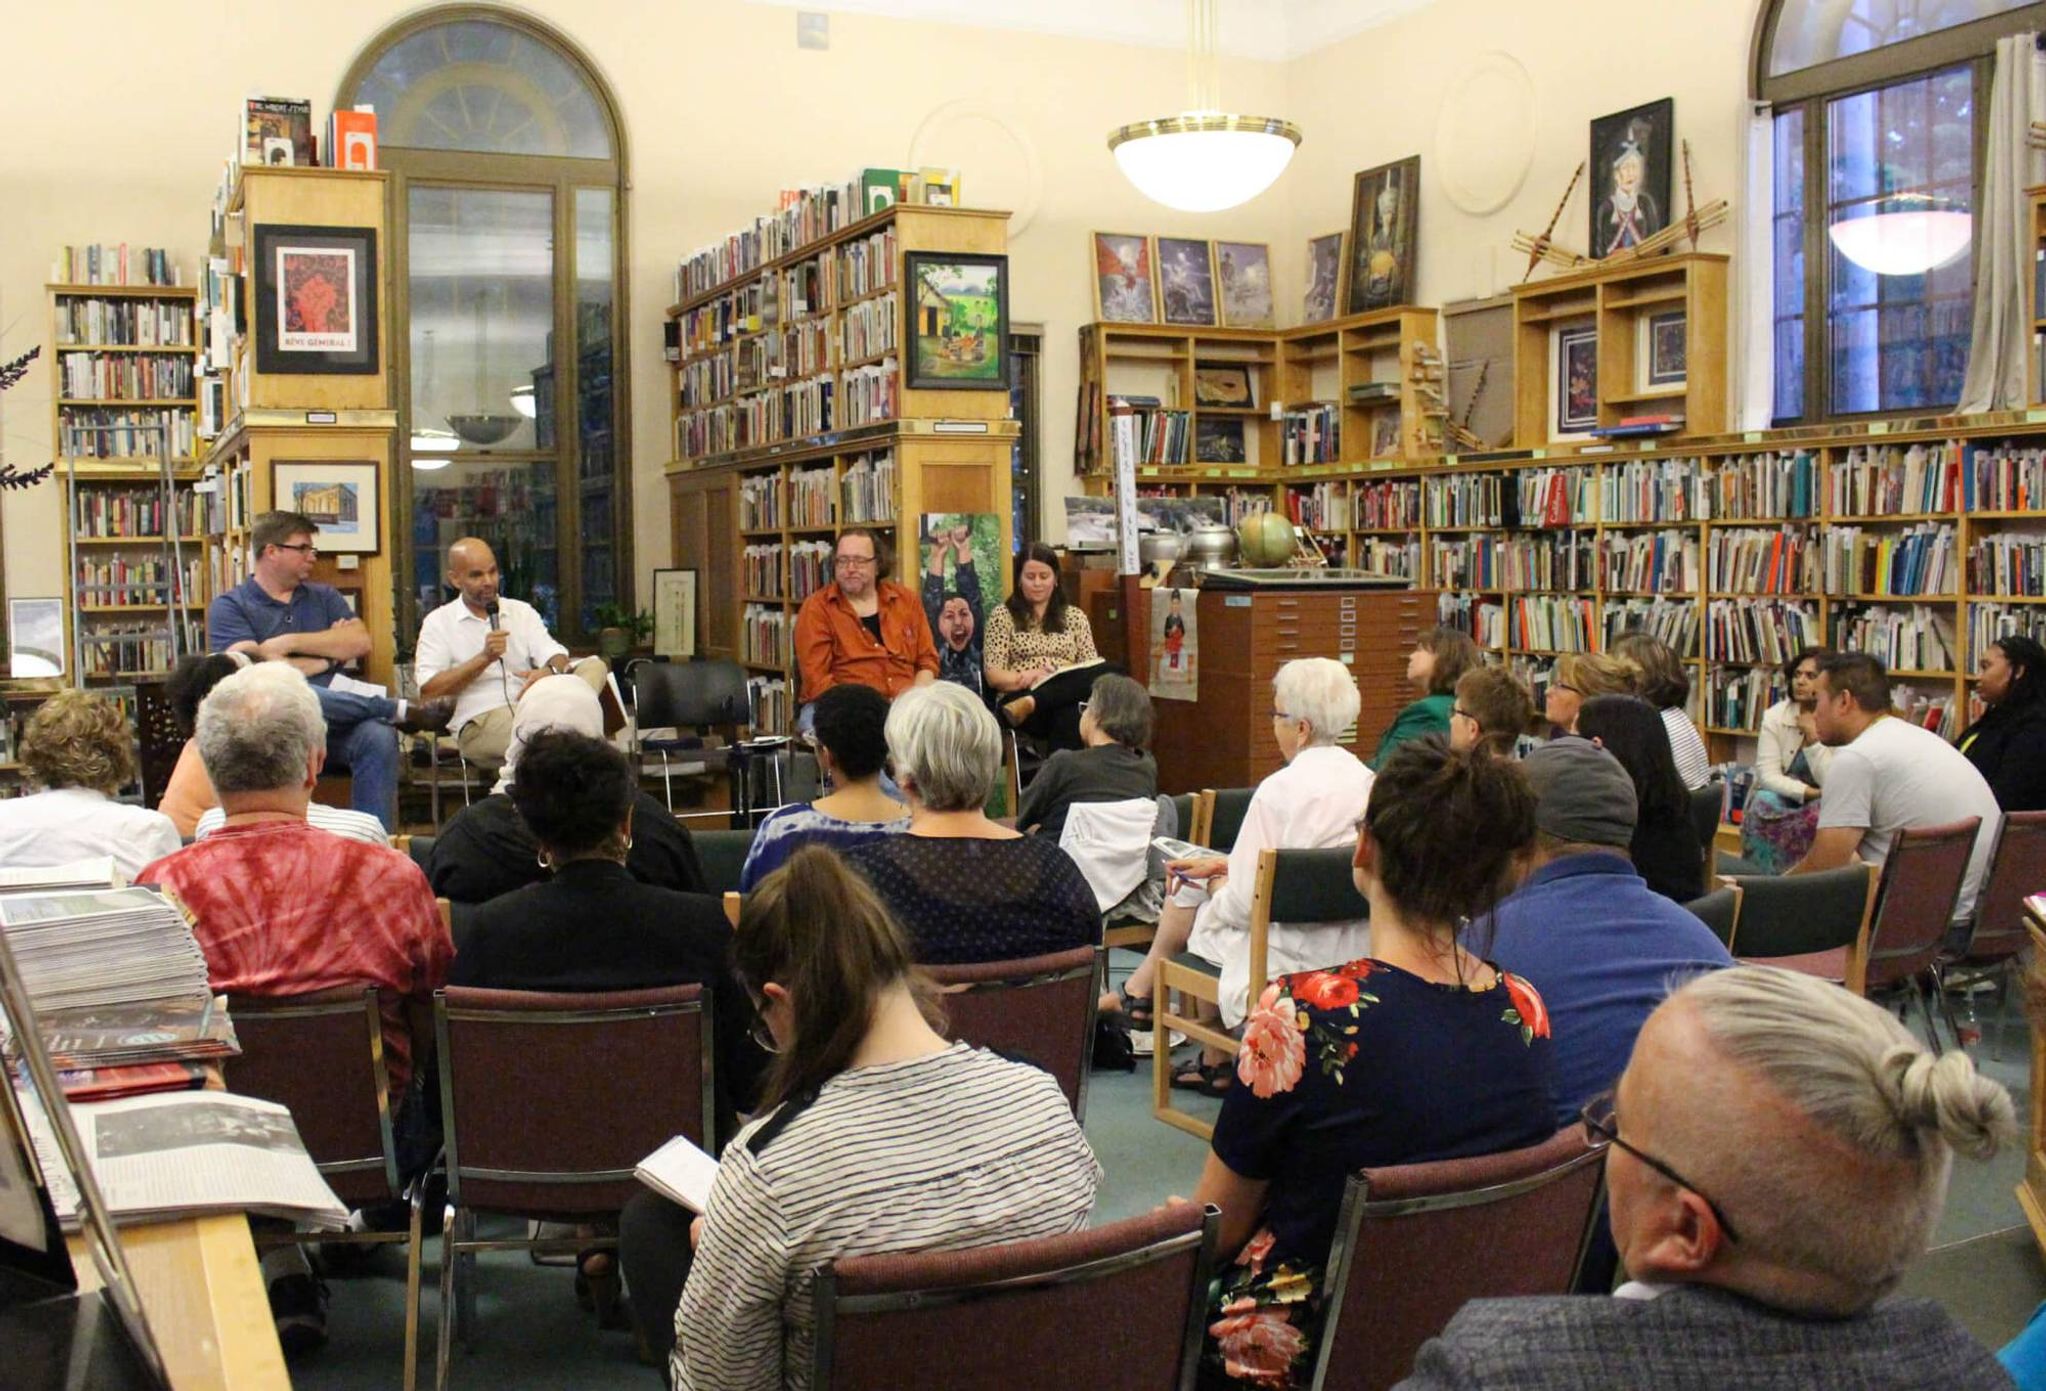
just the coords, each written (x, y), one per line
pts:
(114, 263)
(352, 138)
(1646, 429)
(879, 189)
(1373, 393)
(277, 131)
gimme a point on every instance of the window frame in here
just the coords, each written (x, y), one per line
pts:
(561, 176)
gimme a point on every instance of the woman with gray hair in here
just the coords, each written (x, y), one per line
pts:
(964, 887)
(1109, 766)
(1312, 803)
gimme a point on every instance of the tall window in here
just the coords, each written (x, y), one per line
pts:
(1879, 108)
(507, 193)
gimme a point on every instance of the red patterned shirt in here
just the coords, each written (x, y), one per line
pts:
(281, 908)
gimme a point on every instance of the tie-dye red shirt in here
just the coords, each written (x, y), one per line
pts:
(281, 908)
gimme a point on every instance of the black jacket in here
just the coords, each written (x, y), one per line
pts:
(487, 850)
(2008, 747)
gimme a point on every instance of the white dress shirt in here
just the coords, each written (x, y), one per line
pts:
(76, 823)
(351, 825)
(452, 634)
(1312, 803)
(1777, 746)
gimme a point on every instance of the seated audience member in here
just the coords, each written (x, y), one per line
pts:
(1585, 927)
(78, 751)
(280, 907)
(847, 733)
(1665, 848)
(1889, 775)
(1111, 765)
(1439, 1055)
(188, 796)
(875, 1135)
(593, 927)
(862, 628)
(1434, 667)
(2008, 744)
(1577, 678)
(963, 887)
(1310, 804)
(1491, 711)
(1666, 686)
(485, 652)
(1782, 811)
(1040, 652)
(488, 850)
(1779, 1156)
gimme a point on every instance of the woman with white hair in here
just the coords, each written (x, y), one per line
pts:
(487, 850)
(1312, 803)
(964, 887)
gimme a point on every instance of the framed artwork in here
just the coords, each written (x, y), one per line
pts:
(1385, 214)
(1573, 374)
(959, 555)
(959, 324)
(1186, 281)
(1324, 278)
(339, 497)
(1218, 441)
(316, 300)
(1125, 279)
(1243, 272)
(674, 613)
(35, 638)
(1175, 644)
(1630, 176)
(1224, 384)
(1662, 350)
(1385, 434)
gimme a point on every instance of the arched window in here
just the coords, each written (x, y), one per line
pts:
(1879, 105)
(507, 184)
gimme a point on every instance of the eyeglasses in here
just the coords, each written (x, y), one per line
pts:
(853, 562)
(1281, 715)
(1456, 710)
(761, 1034)
(305, 548)
(1602, 1120)
(1564, 686)
(1083, 706)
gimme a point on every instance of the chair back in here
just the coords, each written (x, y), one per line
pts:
(1800, 914)
(722, 855)
(549, 1101)
(1227, 806)
(321, 1055)
(1120, 1305)
(1416, 1242)
(1719, 910)
(420, 848)
(1914, 903)
(1110, 843)
(1039, 1009)
(1183, 816)
(1310, 886)
(701, 693)
(1705, 804)
(2017, 870)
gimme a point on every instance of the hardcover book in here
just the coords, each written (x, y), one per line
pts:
(352, 138)
(278, 131)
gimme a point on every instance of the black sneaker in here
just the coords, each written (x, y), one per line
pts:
(427, 716)
(298, 1303)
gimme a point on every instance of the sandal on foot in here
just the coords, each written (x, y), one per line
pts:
(1137, 1010)
(601, 1291)
(1209, 1079)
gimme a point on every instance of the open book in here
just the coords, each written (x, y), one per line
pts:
(681, 1172)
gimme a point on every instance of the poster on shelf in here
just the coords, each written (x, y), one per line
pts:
(674, 613)
(1175, 644)
(959, 558)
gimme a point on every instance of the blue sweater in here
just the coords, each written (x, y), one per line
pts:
(1603, 949)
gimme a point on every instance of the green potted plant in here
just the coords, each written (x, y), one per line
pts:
(619, 630)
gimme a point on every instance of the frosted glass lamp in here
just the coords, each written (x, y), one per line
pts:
(1204, 161)
(1906, 234)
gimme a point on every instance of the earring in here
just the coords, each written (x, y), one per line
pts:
(541, 860)
(628, 842)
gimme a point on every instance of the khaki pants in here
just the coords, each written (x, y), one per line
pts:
(483, 740)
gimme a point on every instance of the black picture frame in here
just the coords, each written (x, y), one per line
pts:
(1218, 441)
(1385, 224)
(1648, 130)
(328, 266)
(932, 346)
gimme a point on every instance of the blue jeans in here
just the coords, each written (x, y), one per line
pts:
(359, 734)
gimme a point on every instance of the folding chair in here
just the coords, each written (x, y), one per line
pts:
(701, 695)
(2017, 869)
(1805, 922)
(1914, 907)
(1040, 1009)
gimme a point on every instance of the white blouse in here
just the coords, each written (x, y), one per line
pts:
(1777, 747)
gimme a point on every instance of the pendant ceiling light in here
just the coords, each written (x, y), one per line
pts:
(1903, 234)
(1204, 159)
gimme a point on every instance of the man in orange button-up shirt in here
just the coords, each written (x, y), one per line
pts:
(863, 629)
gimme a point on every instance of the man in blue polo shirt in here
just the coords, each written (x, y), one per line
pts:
(279, 614)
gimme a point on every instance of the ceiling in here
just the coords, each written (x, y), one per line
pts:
(1273, 30)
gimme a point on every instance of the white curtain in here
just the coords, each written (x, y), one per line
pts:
(1757, 257)
(2003, 242)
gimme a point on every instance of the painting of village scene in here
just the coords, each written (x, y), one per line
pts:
(960, 320)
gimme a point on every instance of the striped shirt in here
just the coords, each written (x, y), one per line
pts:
(957, 1149)
(352, 825)
(1694, 765)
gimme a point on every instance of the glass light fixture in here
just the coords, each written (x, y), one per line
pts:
(428, 443)
(1204, 159)
(522, 401)
(1903, 234)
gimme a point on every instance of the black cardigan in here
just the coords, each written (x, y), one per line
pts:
(487, 850)
(2008, 747)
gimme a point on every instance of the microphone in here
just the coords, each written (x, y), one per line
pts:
(490, 612)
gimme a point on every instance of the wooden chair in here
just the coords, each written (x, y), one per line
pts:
(735, 902)
(1222, 817)
(1719, 910)
(1416, 1242)
(1812, 923)
(1040, 1009)
(1121, 1305)
(2017, 868)
(621, 1073)
(1293, 887)
(1914, 908)
(420, 848)
(306, 1053)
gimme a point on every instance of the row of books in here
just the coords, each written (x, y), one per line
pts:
(1553, 623)
(1988, 622)
(1757, 561)
(2005, 478)
(805, 350)
(760, 568)
(1933, 709)
(769, 696)
(866, 491)
(805, 215)
(869, 264)
(1736, 697)
(125, 649)
(868, 329)
(1557, 497)
(1550, 562)
(809, 568)
(763, 635)
(1887, 481)
(1918, 560)
(2008, 563)
(114, 263)
(1311, 434)
(1389, 503)
(1161, 435)
(121, 579)
(1385, 556)
(1466, 500)
(123, 376)
(810, 496)
(138, 512)
(1674, 622)
(1652, 562)
(103, 432)
(1484, 620)
(125, 322)
(1917, 638)
(1758, 630)
(1323, 507)
(1653, 490)
(760, 503)
(278, 131)
(1238, 504)
(871, 394)
(1467, 563)
(1766, 486)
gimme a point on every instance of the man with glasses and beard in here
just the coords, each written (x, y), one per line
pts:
(862, 628)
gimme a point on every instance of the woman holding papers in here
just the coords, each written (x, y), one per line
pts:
(875, 1134)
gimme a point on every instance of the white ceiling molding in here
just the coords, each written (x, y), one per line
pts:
(1271, 30)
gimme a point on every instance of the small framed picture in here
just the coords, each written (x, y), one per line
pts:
(316, 300)
(674, 613)
(1662, 349)
(339, 497)
(1125, 279)
(1324, 278)
(1224, 384)
(1385, 212)
(1218, 441)
(1186, 281)
(1573, 381)
(35, 638)
(1243, 273)
(1630, 176)
(1385, 434)
(959, 321)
